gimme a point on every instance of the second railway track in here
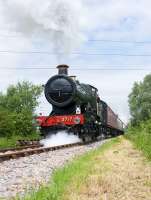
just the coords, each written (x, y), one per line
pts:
(19, 148)
(7, 154)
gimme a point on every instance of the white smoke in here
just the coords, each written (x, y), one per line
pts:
(60, 138)
(58, 21)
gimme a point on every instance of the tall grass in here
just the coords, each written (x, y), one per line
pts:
(141, 137)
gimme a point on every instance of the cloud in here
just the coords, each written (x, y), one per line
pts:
(58, 21)
(72, 18)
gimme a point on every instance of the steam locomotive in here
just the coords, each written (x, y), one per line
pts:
(77, 108)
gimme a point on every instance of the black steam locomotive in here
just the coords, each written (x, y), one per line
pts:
(77, 108)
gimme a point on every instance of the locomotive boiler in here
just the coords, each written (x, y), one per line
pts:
(77, 108)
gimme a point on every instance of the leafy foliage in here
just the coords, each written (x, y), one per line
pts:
(139, 131)
(141, 136)
(21, 97)
(7, 123)
(140, 101)
(17, 109)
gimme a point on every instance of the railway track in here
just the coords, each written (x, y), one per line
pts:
(27, 142)
(19, 148)
(8, 154)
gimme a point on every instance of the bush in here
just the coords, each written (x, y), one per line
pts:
(141, 137)
(24, 123)
(7, 123)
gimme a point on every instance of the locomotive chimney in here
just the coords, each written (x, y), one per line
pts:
(63, 69)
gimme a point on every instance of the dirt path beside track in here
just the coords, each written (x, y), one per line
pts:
(120, 173)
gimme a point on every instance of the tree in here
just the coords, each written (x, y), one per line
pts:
(22, 96)
(17, 108)
(140, 100)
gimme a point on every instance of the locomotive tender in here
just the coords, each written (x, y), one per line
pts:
(77, 108)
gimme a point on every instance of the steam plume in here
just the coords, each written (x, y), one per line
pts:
(60, 138)
(57, 20)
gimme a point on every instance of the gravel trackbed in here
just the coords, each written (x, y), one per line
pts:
(24, 174)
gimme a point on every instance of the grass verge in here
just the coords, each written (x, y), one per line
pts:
(73, 175)
(141, 137)
(6, 142)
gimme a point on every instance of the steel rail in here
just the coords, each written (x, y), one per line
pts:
(27, 142)
(20, 148)
(19, 154)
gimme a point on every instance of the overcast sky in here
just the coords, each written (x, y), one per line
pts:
(87, 35)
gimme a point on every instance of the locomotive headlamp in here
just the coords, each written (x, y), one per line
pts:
(77, 120)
